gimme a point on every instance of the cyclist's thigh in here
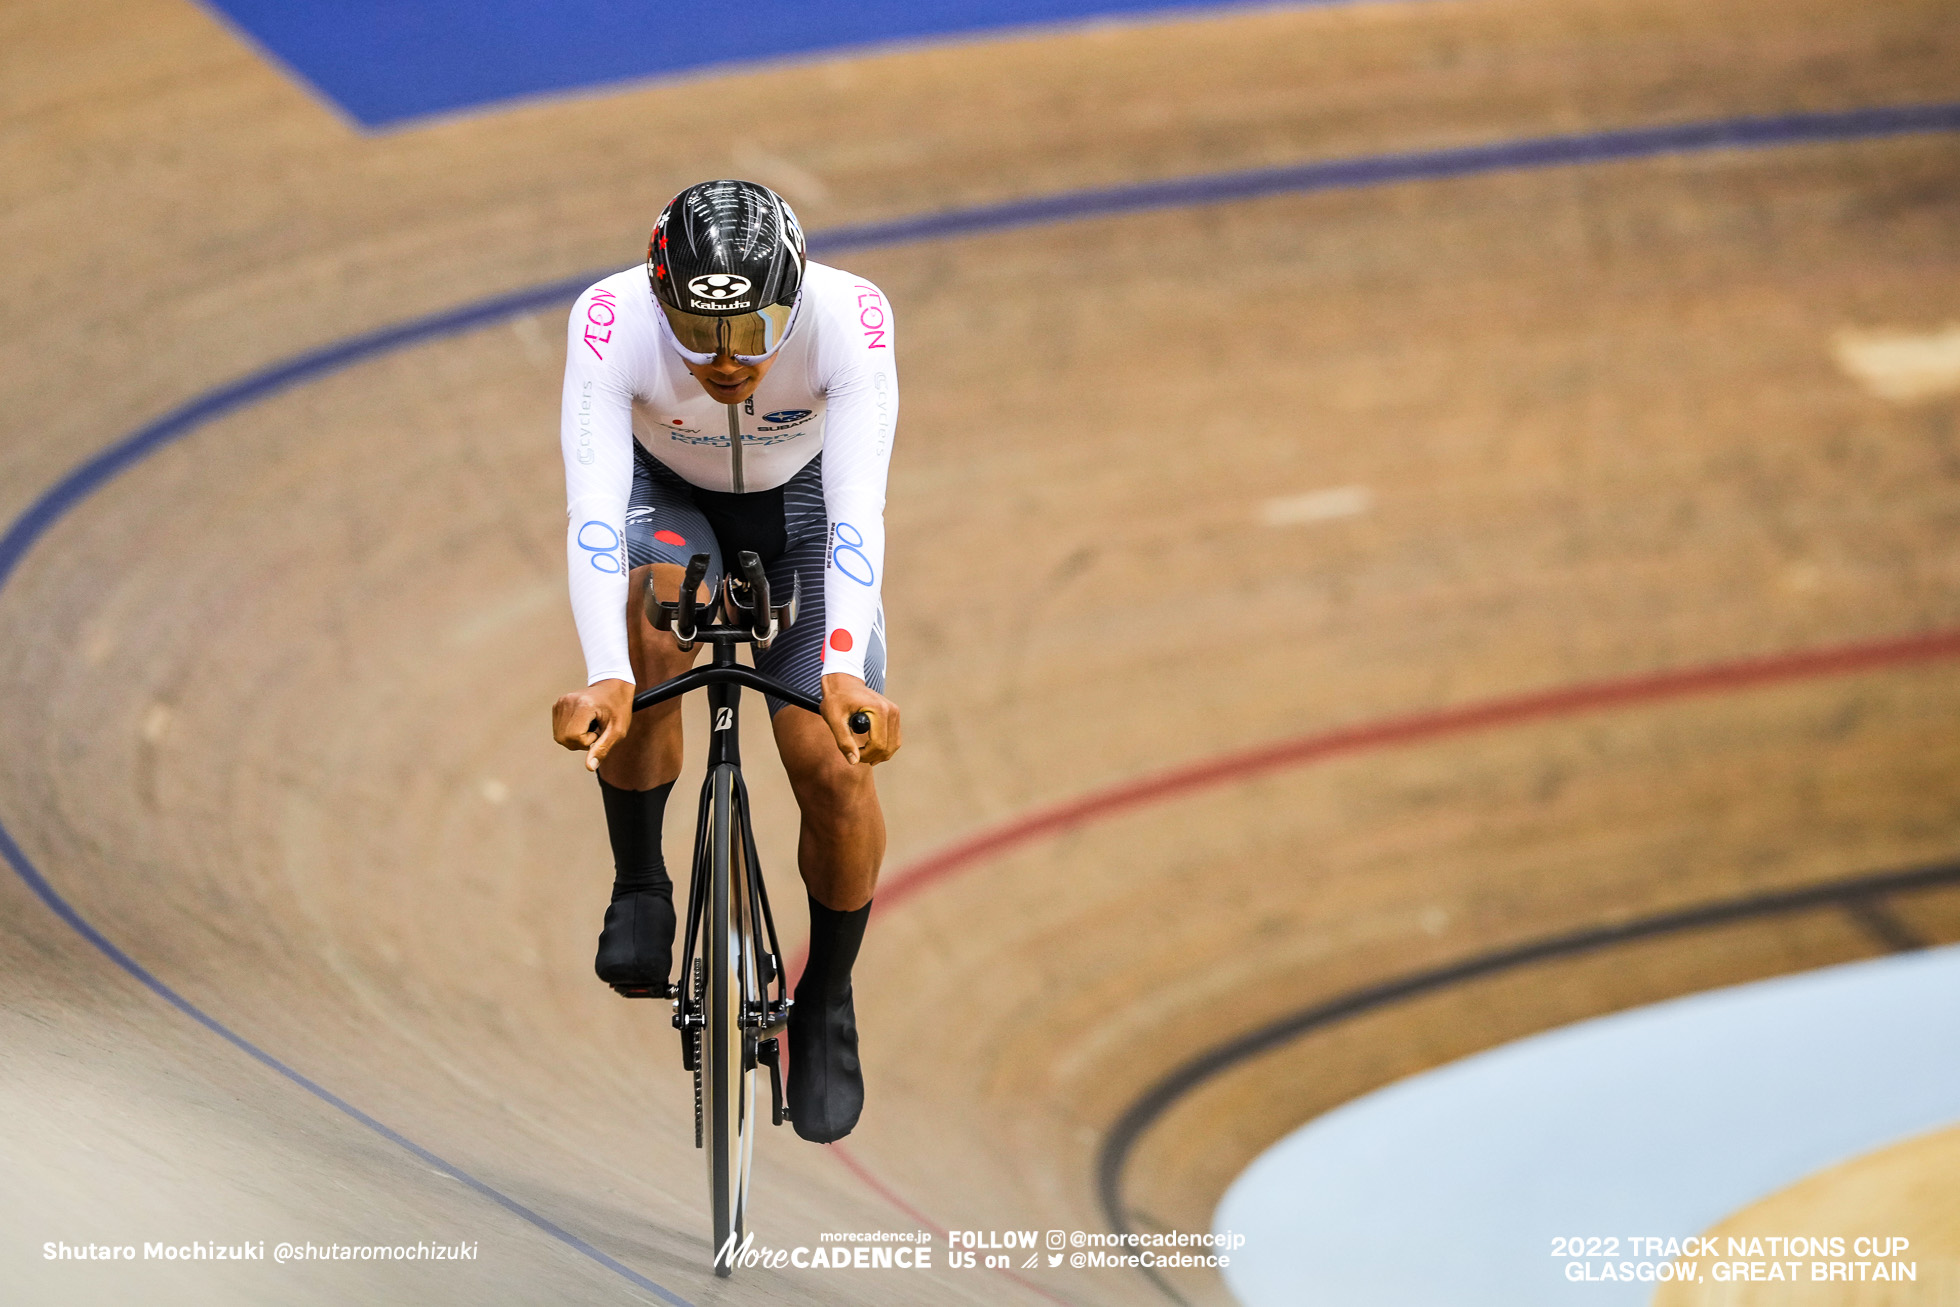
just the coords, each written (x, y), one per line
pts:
(796, 657)
(662, 523)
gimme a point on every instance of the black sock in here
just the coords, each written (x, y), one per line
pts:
(834, 940)
(633, 820)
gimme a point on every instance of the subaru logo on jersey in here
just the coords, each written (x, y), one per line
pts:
(788, 415)
(719, 287)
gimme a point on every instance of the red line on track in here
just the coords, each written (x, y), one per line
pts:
(877, 1186)
(1655, 687)
(1931, 646)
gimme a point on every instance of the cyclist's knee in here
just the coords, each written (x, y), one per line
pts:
(825, 780)
(665, 578)
(660, 659)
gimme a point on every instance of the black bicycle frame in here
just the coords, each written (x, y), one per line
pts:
(724, 679)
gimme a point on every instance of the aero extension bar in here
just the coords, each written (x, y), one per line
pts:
(747, 598)
(743, 594)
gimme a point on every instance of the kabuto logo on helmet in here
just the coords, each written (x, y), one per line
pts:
(719, 287)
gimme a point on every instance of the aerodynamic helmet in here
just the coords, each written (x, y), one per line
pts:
(726, 262)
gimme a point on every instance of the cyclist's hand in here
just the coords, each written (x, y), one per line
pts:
(844, 695)
(594, 719)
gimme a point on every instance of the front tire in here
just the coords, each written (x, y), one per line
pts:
(727, 1045)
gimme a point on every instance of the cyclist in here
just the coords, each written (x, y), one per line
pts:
(731, 395)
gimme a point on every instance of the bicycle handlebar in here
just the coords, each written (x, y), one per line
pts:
(700, 677)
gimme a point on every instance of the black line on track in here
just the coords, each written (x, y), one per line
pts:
(1884, 925)
(1858, 896)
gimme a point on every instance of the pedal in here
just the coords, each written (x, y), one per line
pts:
(769, 1053)
(665, 989)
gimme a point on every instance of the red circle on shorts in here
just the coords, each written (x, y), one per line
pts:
(840, 640)
(669, 538)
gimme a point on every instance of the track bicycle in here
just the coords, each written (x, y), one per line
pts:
(731, 1004)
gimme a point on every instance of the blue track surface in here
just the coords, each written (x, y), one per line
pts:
(383, 61)
(54, 503)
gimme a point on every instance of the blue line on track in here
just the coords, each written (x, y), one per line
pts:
(63, 909)
(1421, 165)
(1541, 152)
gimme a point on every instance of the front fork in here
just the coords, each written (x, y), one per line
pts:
(767, 1016)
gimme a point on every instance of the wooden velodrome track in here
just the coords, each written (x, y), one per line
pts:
(275, 697)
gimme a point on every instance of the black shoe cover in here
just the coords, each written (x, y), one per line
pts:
(636, 947)
(826, 1085)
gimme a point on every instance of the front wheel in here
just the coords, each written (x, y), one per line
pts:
(727, 1044)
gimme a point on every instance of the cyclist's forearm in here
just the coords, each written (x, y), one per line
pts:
(598, 593)
(596, 440)
(853, 579)
(854, 495)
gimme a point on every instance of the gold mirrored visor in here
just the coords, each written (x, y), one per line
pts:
(750, 337)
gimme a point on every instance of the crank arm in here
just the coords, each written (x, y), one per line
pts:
(769, 1054)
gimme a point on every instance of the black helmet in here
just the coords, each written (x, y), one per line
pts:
(727, 247)
(726, 263)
